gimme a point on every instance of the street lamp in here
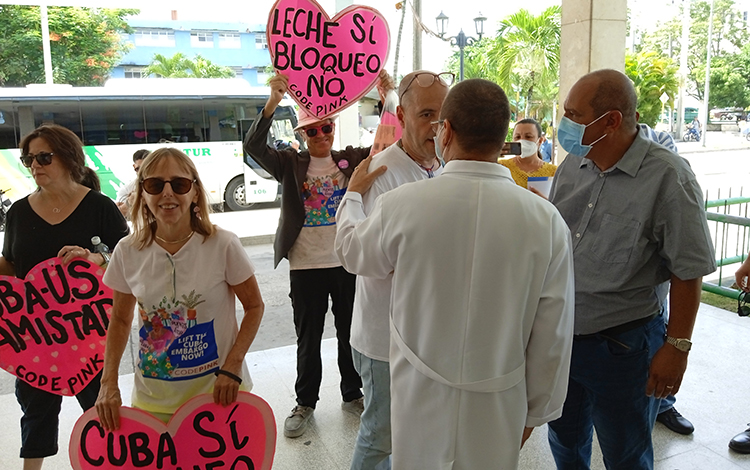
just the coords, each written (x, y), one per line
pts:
(462, 40)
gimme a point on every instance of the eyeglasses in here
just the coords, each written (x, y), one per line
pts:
(313, 131)
(42, 158)
(436, 125)
(178, 185)
(743, 309)
(426, 79)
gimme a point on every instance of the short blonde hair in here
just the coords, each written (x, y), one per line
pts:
(144, 222)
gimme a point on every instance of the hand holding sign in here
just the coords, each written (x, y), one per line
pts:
(331, 63)
(200, 435)
(53, 325)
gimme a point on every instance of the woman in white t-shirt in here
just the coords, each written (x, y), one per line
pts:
(183, 273)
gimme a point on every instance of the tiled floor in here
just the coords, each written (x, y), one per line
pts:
(714, 396)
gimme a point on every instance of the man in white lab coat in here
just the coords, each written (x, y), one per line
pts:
(482, 302)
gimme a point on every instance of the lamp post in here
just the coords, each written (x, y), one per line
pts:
(461, 40)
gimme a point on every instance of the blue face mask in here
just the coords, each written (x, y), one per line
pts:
(570, 136)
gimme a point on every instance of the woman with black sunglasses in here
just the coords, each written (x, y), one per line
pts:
(183, 274)
(59, 219)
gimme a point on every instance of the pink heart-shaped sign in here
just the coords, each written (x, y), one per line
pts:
(331, 62)
(201, 435)
(53, 325)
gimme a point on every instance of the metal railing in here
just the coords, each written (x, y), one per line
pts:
(729, 224)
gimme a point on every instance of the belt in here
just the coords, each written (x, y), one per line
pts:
(616, 330)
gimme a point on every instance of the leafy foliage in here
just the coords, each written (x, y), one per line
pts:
(652, 75)
(179, 66)
(523, 58)
(84, 44)
(729, 34)
(730, 79)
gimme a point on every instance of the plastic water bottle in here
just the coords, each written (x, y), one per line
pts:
(99, 247)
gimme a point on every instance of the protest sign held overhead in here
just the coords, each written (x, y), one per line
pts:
(53, 325)
(200, 435)
(331, 62)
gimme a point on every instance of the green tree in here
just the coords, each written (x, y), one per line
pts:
(730, 79)
(523, 57)
(527, 52)
(179, 66)
(204, 68)
(84, 44)
(652, 75)
(729, 35)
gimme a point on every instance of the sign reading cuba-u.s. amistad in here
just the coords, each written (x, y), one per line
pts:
(331, 62)
(53, 325)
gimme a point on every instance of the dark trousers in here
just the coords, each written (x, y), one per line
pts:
(607, 391)
(310, 289)
(41, 416)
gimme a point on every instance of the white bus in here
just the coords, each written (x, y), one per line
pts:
(205, 118)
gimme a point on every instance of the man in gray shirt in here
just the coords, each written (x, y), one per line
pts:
(636, 217)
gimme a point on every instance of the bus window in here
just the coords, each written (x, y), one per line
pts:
(174, 121)
(9, 132)
(121, 123)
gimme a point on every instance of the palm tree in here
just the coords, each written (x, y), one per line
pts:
(168, 67)
(204, 68)
(179, 66)
(526, 52)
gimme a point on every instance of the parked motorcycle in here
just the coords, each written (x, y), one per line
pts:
(691, 134)
(4, 205)
(746, 132)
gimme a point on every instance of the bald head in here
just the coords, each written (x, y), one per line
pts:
(415, 80)
(611, 90)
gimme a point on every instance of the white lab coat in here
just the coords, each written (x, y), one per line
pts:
(481, 312)
(370, 333)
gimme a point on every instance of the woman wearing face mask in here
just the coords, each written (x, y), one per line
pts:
(529, 133)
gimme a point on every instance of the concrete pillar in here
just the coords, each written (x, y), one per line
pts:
(592, 38)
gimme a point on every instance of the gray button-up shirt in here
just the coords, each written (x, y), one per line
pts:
(632, 225)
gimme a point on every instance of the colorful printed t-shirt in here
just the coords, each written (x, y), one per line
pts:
(521, 177)
(322, 193)
(186, 314)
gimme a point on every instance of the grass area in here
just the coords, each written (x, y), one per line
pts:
(719, 301)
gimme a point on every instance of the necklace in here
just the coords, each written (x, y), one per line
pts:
(430, 171)
(175, 241)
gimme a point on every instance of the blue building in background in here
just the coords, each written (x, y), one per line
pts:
(239, 46)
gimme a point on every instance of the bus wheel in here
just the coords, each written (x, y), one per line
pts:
(234, 197)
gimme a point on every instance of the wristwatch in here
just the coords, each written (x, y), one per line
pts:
(683, 344)
(106, 257)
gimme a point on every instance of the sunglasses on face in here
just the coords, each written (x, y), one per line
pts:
(156, 185)
(42, 158)
(313, 131)
(426, 79)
